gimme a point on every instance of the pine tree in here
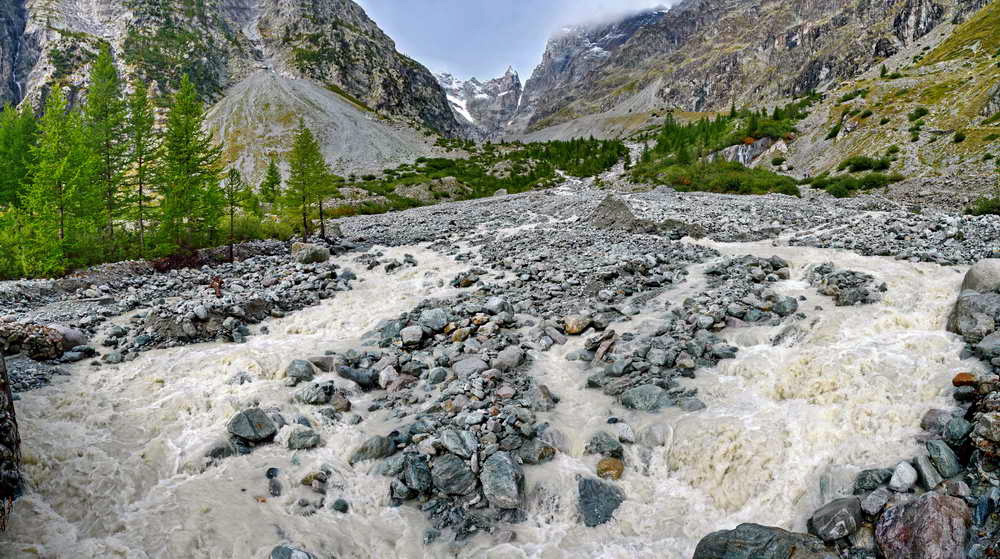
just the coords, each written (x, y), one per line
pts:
(188, 174)
(235, 191)
(271, 185)
(105, 114)
(306, 177)
(62, 201)
(142, 155)
(18, 132)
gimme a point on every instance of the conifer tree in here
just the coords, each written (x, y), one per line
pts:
(18, 131)
(235, 191)
(306, 178)
(142, 155)
(105, 114)
(188, 174)
(270, 187)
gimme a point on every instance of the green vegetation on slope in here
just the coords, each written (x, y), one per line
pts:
(981, 32)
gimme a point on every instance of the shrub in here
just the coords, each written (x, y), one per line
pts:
(959, 137)
(893, 150)
(867, 113)
(838, 190)
(984, 206)
(917, 114)
(778, 161)
(863, 163)
(834, 132)
(885, 120)
(853, 95)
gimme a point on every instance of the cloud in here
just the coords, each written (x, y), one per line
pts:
(597, 11)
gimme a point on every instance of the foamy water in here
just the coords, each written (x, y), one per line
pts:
(114, 454)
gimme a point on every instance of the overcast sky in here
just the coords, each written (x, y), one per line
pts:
(481, 38)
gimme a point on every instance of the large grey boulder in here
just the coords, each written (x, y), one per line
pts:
(452, 475)
(503, 481)
(252, 425)
(753, 541)
(308, 253)
(983, 276)
(597, 500)
(837, 519)
(929, 527)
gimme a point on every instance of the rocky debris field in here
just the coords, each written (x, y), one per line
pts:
(447, 393)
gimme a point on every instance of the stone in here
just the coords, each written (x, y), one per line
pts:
(874, 502)
(452, 475)
(647, 397)
(597, 500)
(903, 477)
(411, 336)
(373, 449)
(926, 472)
(610, 468)
(535, 451)
(869, 480)
(605, 444)
(469, 367)
(416, 473)
(300, 370)
(288, 552)
(308, 253)
(302, 437)
(963, 379)
(753, 541)
(957, 431)
(933, 526)
(435, 319)
(252, 425)
(508, 358)
(437, 375)
(943, 458)
(497, 305)
(934, 420)
(314, 394)
(983, 276)
(503, 480)
(786, 306)
(837, 519)
(341, 506)
(576, 324)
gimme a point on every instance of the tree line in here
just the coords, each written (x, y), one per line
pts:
(106, 180)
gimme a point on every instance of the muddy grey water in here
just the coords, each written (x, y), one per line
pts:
(113, 455)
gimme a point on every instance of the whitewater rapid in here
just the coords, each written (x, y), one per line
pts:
(113, 455)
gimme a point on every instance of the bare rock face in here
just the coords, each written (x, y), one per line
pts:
(485, 108)
(930, 527)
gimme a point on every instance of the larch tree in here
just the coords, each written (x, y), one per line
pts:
(188, 175)
(306, 177)
(105, 114)
(18, 132)
(270, 187)
(142, 155)
(236, 194)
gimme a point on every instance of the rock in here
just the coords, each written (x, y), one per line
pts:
(71, 337)
(974, 315)
(837, 519)
(934, 420)
(786, 306)
(753, 541)
(469, 367)
(927, 473)
(930, 527)
(604, 444)
(373, 449)
(535, 451)
(576, 324)
(302, 437)
(452, 475)
(903, 477)
(314, 394)
(307, 253)
(943, 458)
(508, 358)
(875, 501)
(497, 305)
(411, 336)
(610, 468)
(416, 473)
(503, 480)
(341, 506)
(956, 431)
(983, 276)
(963, 379)
(252, 425)
(869, 480)
(287, 552)
(300, 370)
(457, 443)
(647, 397)
(597, 500)
(435, 319)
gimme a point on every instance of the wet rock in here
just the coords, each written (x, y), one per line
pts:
(837, 519)
(503, 480)
(469, 367)
(610, 468)
(341, 506)
(461, 443)
(302, 437)
(452, 475)
(307, 253)
(314, 393)
(943, 458)
(252, 425)
(875, 501)
(411, 336)
(983, 276)
(435, 319)
(508, 358)
(300, 370)
(647, 397)
(416, 473)
(957, 431)
(576, 324)
(288, 552)
(604, 444)
(869, 480)
(930, 527)
(753, 541)
(904, 477)
(597, 500)
(373, 449)
(926, 472)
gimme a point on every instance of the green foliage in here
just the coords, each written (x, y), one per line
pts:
(854, 95)
(188, 176)
(846, 185)
(835, 131)
(18, 133)
(307, 178)
(865, 114)
(778, 161)
(917, 114)
(270, 187)
(143, 146)
(959, 137)
(992, 137)
(726, 177)
(859, 163)
(893, 150)
(885, 120)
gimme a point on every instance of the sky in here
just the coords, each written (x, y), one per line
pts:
(480, 38)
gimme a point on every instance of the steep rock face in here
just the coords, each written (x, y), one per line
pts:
(219, 43)
(11, 30)
(706, 54)
(486, 108)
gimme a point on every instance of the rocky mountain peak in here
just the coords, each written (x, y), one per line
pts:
(485, 108)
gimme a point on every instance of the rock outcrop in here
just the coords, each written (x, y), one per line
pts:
(486, 108)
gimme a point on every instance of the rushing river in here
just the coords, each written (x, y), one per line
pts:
(113, 455)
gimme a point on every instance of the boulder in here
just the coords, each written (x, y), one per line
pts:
(373, 449)
(597, 500)
(308, 253)
(647, 397)
(452, 475)
(837, 519)
(469, 366)
(943, 458)
(300, 370)
(983, 276)
(930, 527)
(302, 437)
(252, 425)
(753, 541)
(503, 481)
(288, 552)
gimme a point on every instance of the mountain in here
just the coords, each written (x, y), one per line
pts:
(222, 44)
(485, 108)
(704, 55)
